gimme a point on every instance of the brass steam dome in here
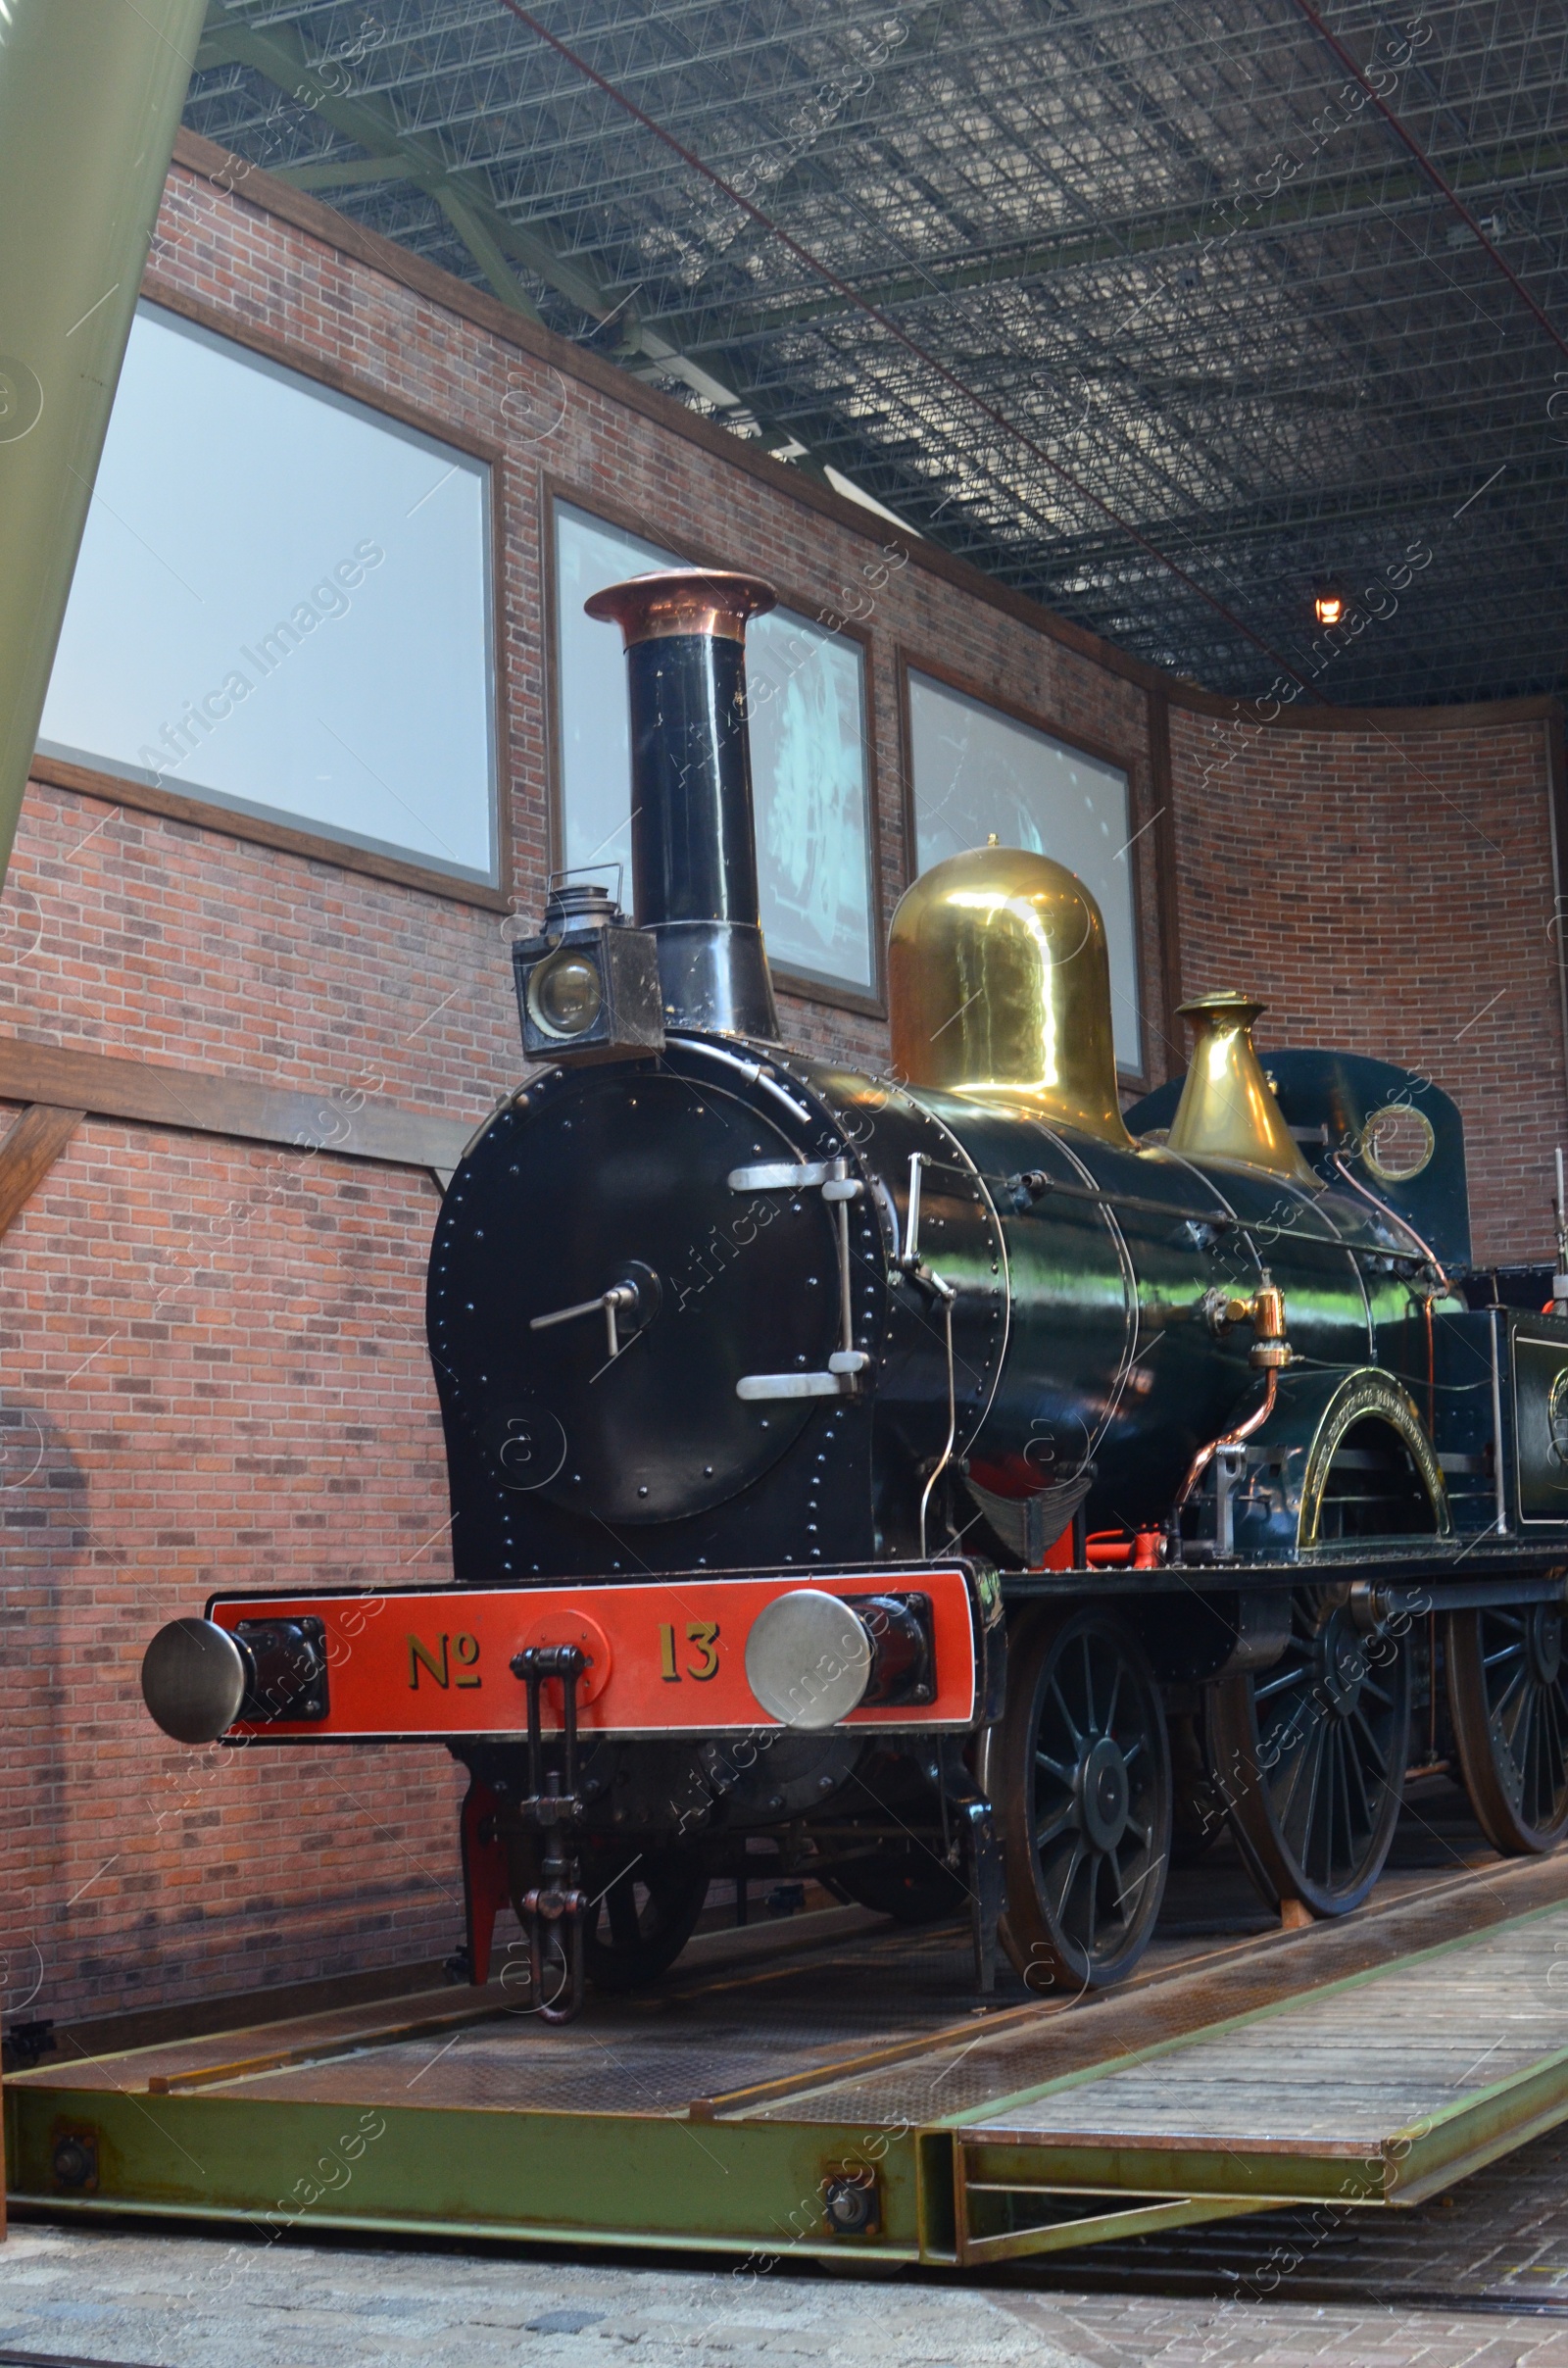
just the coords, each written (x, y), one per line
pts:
(999, 987)
(1227, 1110)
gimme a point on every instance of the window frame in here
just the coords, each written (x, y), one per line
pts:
(318, 844)
(810, 986)
(1126, 759)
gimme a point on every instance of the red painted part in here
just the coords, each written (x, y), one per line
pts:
(1059, 1555)
(1114, 1550)
(438, 1661)
(484, 1877)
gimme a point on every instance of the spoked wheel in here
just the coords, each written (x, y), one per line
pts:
(1197, 1814)
(1084, 1796)
(1309, 1756)
(646, 1907)
(1508, 1691)
(906, 1882)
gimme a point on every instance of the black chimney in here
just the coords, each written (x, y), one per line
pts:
(693, 838)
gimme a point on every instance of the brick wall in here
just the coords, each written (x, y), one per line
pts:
(215, 1362)
(1400, 902)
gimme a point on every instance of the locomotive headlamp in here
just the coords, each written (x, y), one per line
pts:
(565, 995)
(588, 985)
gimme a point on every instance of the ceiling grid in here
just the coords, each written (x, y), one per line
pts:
(1164, 312)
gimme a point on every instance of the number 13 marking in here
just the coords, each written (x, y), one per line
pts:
(703, 1634)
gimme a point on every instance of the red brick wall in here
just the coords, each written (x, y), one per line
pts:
(1390, 891)
(215, 1362)
(215, 1373)
(219, 1349)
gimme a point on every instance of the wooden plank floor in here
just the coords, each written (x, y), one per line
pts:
(1355, 2062)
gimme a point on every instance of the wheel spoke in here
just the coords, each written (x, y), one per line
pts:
(1524, 1755)
(1517, 1685)
(1283, 1685)
(1310, 1820)
(1072, 1724)
(1073, 1865)
(1109, 1727)
(1046, 1835)
(1090, 1727)
(1336, 1803)
(1554, 1713)
(1343, 1829)
(1356, 1780)
(1372, 1742)
(1119, 1885)
(1057, 1767)
(1303, 1759)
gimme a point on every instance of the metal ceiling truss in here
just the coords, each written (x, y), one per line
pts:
(1155, 309)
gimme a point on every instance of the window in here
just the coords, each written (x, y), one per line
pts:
(976, 770)
(809, 772)
(282, 606)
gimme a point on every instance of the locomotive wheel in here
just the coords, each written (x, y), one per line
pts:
(908, 1883)
(631, 1940)
(1309, 1756)
(1197, 1814)
(1085, 1799)
(1508, 1691)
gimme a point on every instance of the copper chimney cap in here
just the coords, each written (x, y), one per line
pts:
(711, 601)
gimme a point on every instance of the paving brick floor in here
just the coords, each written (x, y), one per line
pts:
(127, 2296)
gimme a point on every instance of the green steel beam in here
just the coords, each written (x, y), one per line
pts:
(90, 97)
(343, 172)
(628, 2178)
(280, 57)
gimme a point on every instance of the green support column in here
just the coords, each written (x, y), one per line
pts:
(90, 95)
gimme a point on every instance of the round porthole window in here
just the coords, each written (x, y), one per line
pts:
(1398, 1142)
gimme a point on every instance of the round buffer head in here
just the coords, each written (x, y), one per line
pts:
(809, 1659)
(193, 1680)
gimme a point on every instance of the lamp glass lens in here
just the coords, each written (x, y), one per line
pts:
(567, 995)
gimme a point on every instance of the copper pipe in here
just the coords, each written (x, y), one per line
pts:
(1336, 1161)
(1432, 1369)
(1232, 1438)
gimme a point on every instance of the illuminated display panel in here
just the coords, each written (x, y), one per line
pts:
(283, 606)
(977, 770)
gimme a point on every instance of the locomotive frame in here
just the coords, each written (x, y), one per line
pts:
(1022, 1445)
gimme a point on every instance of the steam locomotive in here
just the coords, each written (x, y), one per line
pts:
(937, 1484)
